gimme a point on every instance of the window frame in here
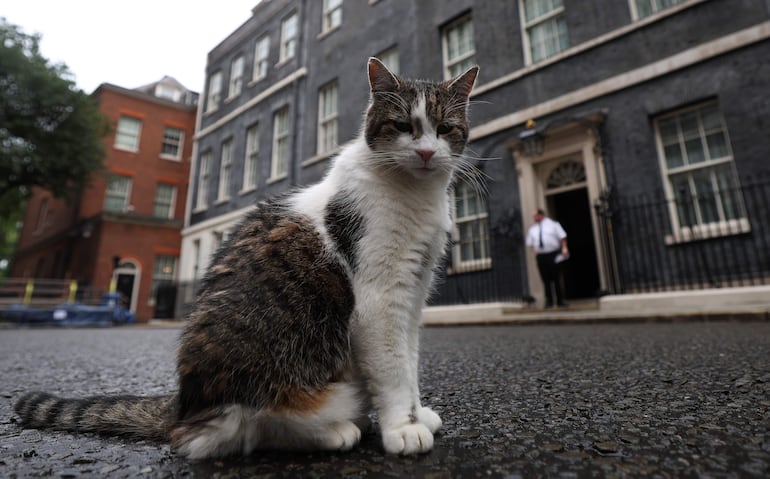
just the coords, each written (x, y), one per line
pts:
(700, 228)
(289, 44)
(460, 265)
(330, 20)
(526, 26)
(261, 58)
(462, 58)
(159, 277)
(214, 96)
(179, 145)
(109, 193)
(225, 170)
(328, 125)
(251, 159)
(204, 176)
(279, 166)
(654, 7)
(390, 58)
(121, 133)
(237, 70)
(171, 205)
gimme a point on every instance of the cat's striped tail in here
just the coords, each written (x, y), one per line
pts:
(145, 417)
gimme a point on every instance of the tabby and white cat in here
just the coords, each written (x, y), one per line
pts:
(310, 313)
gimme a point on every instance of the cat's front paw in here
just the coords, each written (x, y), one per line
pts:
(341, 436)
(408, 439)
(431, 420)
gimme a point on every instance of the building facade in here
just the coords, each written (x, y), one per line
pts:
(125, 226)
(640, 125)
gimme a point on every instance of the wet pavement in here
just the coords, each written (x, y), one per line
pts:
(657, 399)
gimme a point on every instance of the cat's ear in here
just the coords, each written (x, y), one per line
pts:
(380, 78)
(463, 83)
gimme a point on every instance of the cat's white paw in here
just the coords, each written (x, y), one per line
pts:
(341, 436)
(408, 439)
(431, 420)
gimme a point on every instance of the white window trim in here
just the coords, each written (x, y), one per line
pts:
(204, 176)
(126, 199)
(255, 75)
(683, 234)
(135, 148)
(172, 202)
(326, 15)
(225, 166)
(458, 265)
(445, 46)
(322, 121)
(235, 84)
(525, 26)
(178, 156)
(283, 58)
(277, 136)
(247, 167)
(213, 98)
(635, 11)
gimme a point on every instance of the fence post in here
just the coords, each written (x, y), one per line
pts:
(73, 291)
(28, 291)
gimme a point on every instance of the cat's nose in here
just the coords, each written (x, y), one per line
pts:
(425, 154)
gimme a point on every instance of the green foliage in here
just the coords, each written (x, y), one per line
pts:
(50, 131)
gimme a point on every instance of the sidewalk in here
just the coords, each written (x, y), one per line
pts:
(747, 303)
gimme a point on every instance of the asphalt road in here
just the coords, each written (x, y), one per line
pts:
(668, 400)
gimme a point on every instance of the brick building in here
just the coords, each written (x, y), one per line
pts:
(126, 224)
(648, 136)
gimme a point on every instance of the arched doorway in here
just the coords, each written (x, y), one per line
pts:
(567, 201)
(126, 277)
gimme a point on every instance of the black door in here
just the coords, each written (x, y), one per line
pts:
(125, 286)
(581, 274)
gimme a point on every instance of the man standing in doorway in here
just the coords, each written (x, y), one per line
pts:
(549, 243)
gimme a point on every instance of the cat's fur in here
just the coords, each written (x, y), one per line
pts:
(310, 312)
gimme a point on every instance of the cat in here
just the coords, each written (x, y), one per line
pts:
(309, 314)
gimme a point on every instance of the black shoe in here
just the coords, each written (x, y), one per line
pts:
(562, 305)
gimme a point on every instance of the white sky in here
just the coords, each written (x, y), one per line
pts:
(129, 44)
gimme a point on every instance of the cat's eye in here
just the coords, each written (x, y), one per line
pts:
(443, 129)
(403, 126)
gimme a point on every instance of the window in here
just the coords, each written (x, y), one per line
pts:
(459, 47)
(545, 29)
(216, 241)
(165, 199)
(327, 118)
(167, 92)
(252, 152)
(261, 51)
(645, 8)
(201, 199)
(163, 272)
(236, 77)
(289, 38)
(698, 167)
(280, 161)
(215, 91)
(225, 165)
(470, 249)
(118, 193)
(127, 135)
(390, 58)
(172, 143)
(332, 15)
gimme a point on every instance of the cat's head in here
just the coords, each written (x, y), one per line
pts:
(416, 126)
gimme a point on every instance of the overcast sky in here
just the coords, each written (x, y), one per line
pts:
(129, 44)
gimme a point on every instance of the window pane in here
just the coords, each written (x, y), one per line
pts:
(689, 124)
(717, 146)
(673, 155)
(695, 152)
(669, 132)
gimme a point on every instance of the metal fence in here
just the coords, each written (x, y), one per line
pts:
(715, 239)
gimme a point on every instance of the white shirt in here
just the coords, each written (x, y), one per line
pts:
(553, 233)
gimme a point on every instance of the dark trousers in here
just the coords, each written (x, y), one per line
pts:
(550, 274)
